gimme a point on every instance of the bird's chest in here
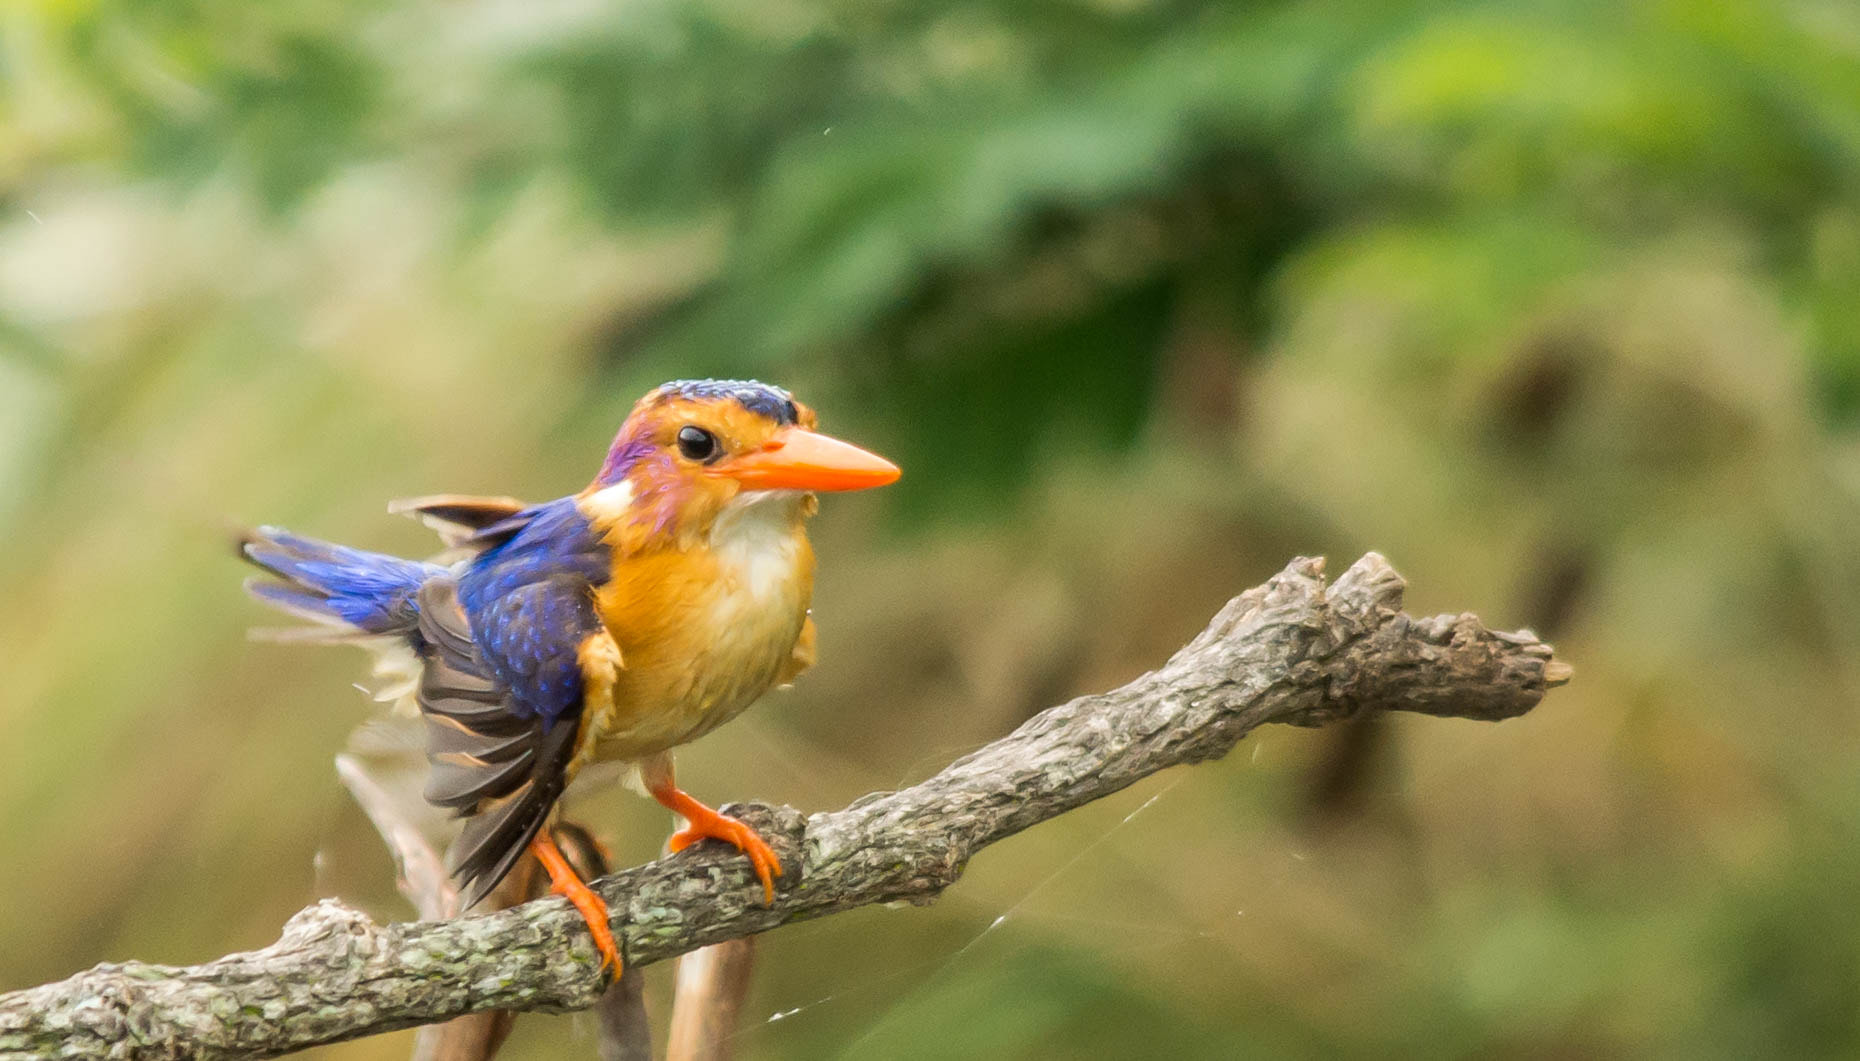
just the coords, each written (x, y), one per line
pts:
(704, 632)
(754, 615)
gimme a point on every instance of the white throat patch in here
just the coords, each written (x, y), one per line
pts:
(755, 540)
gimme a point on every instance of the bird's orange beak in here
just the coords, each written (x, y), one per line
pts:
(799, 459)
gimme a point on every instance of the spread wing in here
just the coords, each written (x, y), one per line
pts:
(501, 692)
(460, 519)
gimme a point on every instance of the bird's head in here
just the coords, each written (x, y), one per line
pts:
(692, 448)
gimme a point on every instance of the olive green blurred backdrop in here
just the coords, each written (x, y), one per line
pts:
(1556, 304)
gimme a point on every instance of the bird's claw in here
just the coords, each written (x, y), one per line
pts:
(720, 826)
(564, 881)
(593, 910)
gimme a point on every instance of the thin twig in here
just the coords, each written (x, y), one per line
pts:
(713, 983)
(420, 869)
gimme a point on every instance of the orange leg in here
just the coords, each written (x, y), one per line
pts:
(566, 883)
(707, 823)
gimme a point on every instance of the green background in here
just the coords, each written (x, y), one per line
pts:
(1555, 304)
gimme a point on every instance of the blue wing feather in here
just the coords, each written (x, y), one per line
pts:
(530, 600)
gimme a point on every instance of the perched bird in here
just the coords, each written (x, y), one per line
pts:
(613, 624)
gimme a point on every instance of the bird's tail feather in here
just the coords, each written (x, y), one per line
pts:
(346, 591)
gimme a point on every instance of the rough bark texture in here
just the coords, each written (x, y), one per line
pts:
(1292, 650)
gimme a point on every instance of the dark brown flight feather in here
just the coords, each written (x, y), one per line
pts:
(458, 518)
(501, 769)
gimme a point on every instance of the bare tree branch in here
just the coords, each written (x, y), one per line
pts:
(1292, 650)
(423, 880)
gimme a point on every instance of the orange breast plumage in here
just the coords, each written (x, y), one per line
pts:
(706, 628)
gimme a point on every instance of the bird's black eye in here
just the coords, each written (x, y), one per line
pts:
(696, 443)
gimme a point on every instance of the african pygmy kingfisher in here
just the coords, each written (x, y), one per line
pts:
(613, 624)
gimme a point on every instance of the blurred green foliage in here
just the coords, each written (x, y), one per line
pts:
(1554, 303)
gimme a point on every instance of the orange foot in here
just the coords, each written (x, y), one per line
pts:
(564, 882)
(710, 824)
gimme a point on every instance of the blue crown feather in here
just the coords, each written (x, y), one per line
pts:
(758, 398)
